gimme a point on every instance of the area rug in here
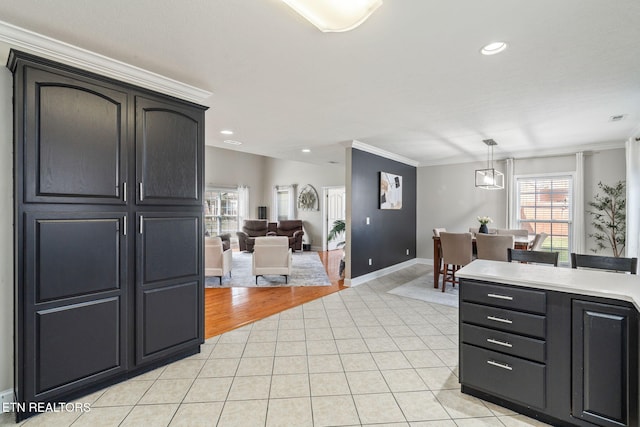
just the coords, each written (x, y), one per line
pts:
(422, 289)
(306, 270)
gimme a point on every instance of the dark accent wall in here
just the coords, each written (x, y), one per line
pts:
(390, 232)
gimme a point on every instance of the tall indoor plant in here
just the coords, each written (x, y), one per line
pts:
(609, 218)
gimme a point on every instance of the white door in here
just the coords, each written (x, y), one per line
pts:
(335, 203)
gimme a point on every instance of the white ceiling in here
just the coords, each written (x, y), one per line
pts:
(410, 80)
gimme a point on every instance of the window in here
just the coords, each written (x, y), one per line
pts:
(545, 204)
(220, 211)
(284, 202)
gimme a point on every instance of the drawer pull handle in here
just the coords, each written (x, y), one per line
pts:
(497, 296)
(500, 365)
(502, 343)
(499, 319)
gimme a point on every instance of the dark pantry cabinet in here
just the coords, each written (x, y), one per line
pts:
(108, 229)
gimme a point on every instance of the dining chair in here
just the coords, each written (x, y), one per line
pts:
(629, 265)
(536, 257)
(513, 231)
(536, 245)
(494, 247)
(437, 231)
(456, 253)
(474, 230)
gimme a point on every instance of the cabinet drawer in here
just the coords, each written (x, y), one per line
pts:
(504, 296)
(504, 320)
(504, 342)
(510, 377)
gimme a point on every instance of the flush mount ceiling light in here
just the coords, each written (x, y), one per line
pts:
(335, 15)
(226, 132)
(489, 178)
(306, 150)
(493, 48)
(232, 142)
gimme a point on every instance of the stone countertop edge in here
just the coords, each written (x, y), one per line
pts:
(605, 284)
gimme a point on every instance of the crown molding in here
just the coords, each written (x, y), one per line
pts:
(534, 154)
(382, 153)
(69, 54)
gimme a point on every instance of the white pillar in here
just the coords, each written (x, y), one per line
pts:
(633, 197)
(578, 206)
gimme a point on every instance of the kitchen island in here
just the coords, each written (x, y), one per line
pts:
(556, 344)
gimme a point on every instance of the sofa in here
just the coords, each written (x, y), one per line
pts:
(291, 228)
(251, 228)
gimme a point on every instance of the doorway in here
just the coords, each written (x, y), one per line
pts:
(334, 209)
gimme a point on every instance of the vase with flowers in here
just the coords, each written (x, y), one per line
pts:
(484, 220)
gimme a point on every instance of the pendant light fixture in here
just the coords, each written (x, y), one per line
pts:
(489, 178)
(335, 15)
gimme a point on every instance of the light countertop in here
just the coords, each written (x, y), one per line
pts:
(619, 286)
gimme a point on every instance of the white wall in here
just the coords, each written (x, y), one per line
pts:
(6, 227)
(448, 198)
(228, 168)
(608, 166)
(284, 172)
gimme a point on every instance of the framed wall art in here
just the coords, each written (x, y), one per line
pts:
(390, 191)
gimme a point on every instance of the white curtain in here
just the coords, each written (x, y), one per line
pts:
(578, 206)
(243, 203)
(510, 188)
(633, 197)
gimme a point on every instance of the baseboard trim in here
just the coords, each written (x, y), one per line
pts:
(426, 261)
(6, 398)
(379, 273)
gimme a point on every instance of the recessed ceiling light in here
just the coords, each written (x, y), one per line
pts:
(232, 142)
(306, 150)
(493, 48)
(226, 132)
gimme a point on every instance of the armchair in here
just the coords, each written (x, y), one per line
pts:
(217, 260)
(292, 229)
(251, 228)
(271, 256)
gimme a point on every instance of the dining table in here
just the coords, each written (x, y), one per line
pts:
(520, 242)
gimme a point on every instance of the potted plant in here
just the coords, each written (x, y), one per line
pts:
(484, 220)
(609, 218)
(338, 230)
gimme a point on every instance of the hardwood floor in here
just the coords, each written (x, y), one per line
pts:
(229, 308)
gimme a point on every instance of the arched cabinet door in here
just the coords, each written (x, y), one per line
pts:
(168, 153)
(74, 140)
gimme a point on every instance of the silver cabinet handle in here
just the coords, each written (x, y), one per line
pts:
(500, 365)
(502, 343)
(124, 192)
(498, 296)
(141, 224)
(499, 319)
(124, 226)
(141, 191)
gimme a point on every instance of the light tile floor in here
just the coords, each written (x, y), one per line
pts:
(358, 357)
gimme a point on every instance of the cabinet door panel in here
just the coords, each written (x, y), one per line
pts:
(73, 254)
(170, 316)
(75, 342)
(75, 141)
(600, 363)
(169, 294)
(169, 152)
(170, 246)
